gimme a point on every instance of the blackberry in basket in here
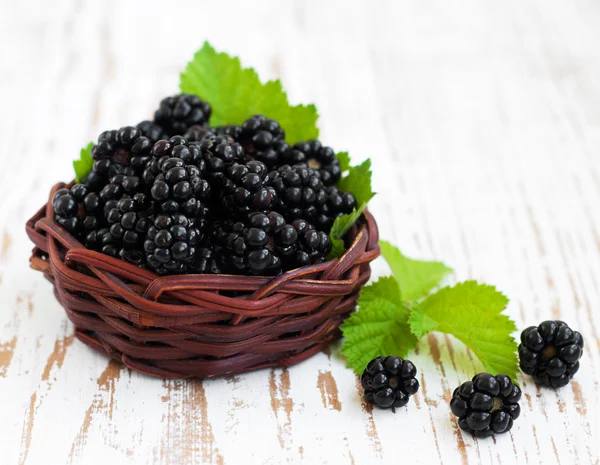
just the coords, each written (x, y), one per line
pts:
(178, 113)
(318, 157)
(245, 187)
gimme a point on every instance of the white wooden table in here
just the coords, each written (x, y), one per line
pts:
(483, 123)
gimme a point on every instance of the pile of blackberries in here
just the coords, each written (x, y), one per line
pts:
(175, 195)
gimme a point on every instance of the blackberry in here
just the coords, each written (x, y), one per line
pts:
(178, 113)
(66, 210)
(313, 246)
(550, 353)
(197, 133)
(263, 139)
(124, 151)
(245, 188)
(231, 130)
(337, 203)
(389, 381)
(175, 147)
(219, 153)
(250, 243)
(318, 157)
(300, 192)
(152, 131)
(170, 244)
(486, 405)
(178, 187)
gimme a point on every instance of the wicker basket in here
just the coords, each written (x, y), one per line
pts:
(200, 325)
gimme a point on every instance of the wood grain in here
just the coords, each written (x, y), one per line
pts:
(483, 123)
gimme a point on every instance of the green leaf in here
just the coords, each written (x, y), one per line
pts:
(236, 94)
(344, 160)
(472, 313)
(416, 278)
(358, 181)
(84, 165)
(379, 327)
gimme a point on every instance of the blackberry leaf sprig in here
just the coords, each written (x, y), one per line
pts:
(358, 181)
(236, 93)
(396, 311)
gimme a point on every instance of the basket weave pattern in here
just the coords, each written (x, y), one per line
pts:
(200, 325)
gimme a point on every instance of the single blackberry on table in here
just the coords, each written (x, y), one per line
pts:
(152, 131)
(550, 353)
(300, 192)
(219, 153)
(389, 381)
(170, 244)
(263, 139)
(178, 113)
(245, 188)
(318, 157)
(486, 405)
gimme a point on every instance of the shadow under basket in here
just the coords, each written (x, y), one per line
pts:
(199, 325)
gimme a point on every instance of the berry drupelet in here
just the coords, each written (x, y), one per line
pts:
(178, 113)
(550, 353)
(389, 381)
(245, 188)
(486, 405)
(316, 156)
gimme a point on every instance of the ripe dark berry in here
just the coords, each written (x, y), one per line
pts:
(486, 405)
(262, 139)
(177, 114)
(152, 131)
(232, 130)
(219, 153)
(337, 203)
(300, 192)
(316, 156)
(170, 244)
(550, 353)
(245, 188)
(389, 381)
(197, 133)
